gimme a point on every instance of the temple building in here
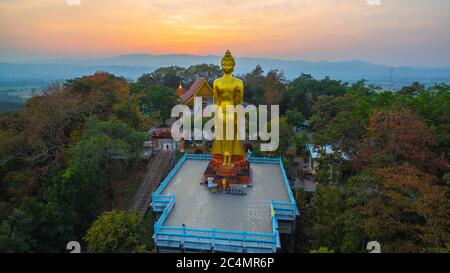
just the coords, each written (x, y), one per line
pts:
(161, 139)
(199, 88)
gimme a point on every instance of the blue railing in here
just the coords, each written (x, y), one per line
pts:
(160, 202)
(284, 210)
(199, 156)
(269, 160)
(292, 204)
(274, 223)
(216, 239)
(167, 209)
(169, 176)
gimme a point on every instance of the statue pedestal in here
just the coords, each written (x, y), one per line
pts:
(225, 178)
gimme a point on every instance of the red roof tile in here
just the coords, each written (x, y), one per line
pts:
(194, 87)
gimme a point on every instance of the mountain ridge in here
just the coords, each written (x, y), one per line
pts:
(132, 66)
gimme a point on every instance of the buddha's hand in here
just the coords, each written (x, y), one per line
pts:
(236, 93)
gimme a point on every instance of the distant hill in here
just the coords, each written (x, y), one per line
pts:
(60, 71)
(134, 65)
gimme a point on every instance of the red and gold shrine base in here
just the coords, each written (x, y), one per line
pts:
(237, 173)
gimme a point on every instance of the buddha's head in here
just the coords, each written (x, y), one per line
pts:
(227, 63)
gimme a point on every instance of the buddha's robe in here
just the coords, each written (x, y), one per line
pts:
(227, 91)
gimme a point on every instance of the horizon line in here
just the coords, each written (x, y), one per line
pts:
(85, 58)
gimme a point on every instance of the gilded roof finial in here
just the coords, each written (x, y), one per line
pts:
(180, 90)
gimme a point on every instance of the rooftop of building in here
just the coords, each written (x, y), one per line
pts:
(194, 218)
(314, 151)
(199, 87)
(197, 207)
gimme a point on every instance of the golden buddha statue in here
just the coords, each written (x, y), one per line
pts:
(227, 91)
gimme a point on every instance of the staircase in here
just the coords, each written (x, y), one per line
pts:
(156, 172)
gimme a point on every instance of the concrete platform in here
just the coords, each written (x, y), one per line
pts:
(197, 207)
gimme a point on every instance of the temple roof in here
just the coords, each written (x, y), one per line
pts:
(200, 88)
(164, 133)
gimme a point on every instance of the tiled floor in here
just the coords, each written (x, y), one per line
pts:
(196, 206)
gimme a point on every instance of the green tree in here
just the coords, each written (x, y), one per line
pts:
(11, 238)
(72, 198)
(33, 226)
(207, 71)
(274, 88)
(169, 77)
(432, 105)
(300, 142)
(414, 89)
(117, 232)
(159, 101)
(56, 163)
(294, 117)
(117, 130)
(286, 135)
(336, 123)
(253, 85)
(321, 250)
(327, 208)
(304, 90)
(303, 223)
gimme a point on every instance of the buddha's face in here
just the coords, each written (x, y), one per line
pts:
(227, 67)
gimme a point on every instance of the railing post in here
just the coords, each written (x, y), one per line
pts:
(213, 243)
(155, 233)
(275, 241)
(184, 235)
(244, 247)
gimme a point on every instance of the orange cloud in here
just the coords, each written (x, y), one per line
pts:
(252, 28)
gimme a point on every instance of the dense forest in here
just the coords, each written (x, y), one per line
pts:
(71, 157)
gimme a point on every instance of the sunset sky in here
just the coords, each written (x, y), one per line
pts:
(396, 32)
